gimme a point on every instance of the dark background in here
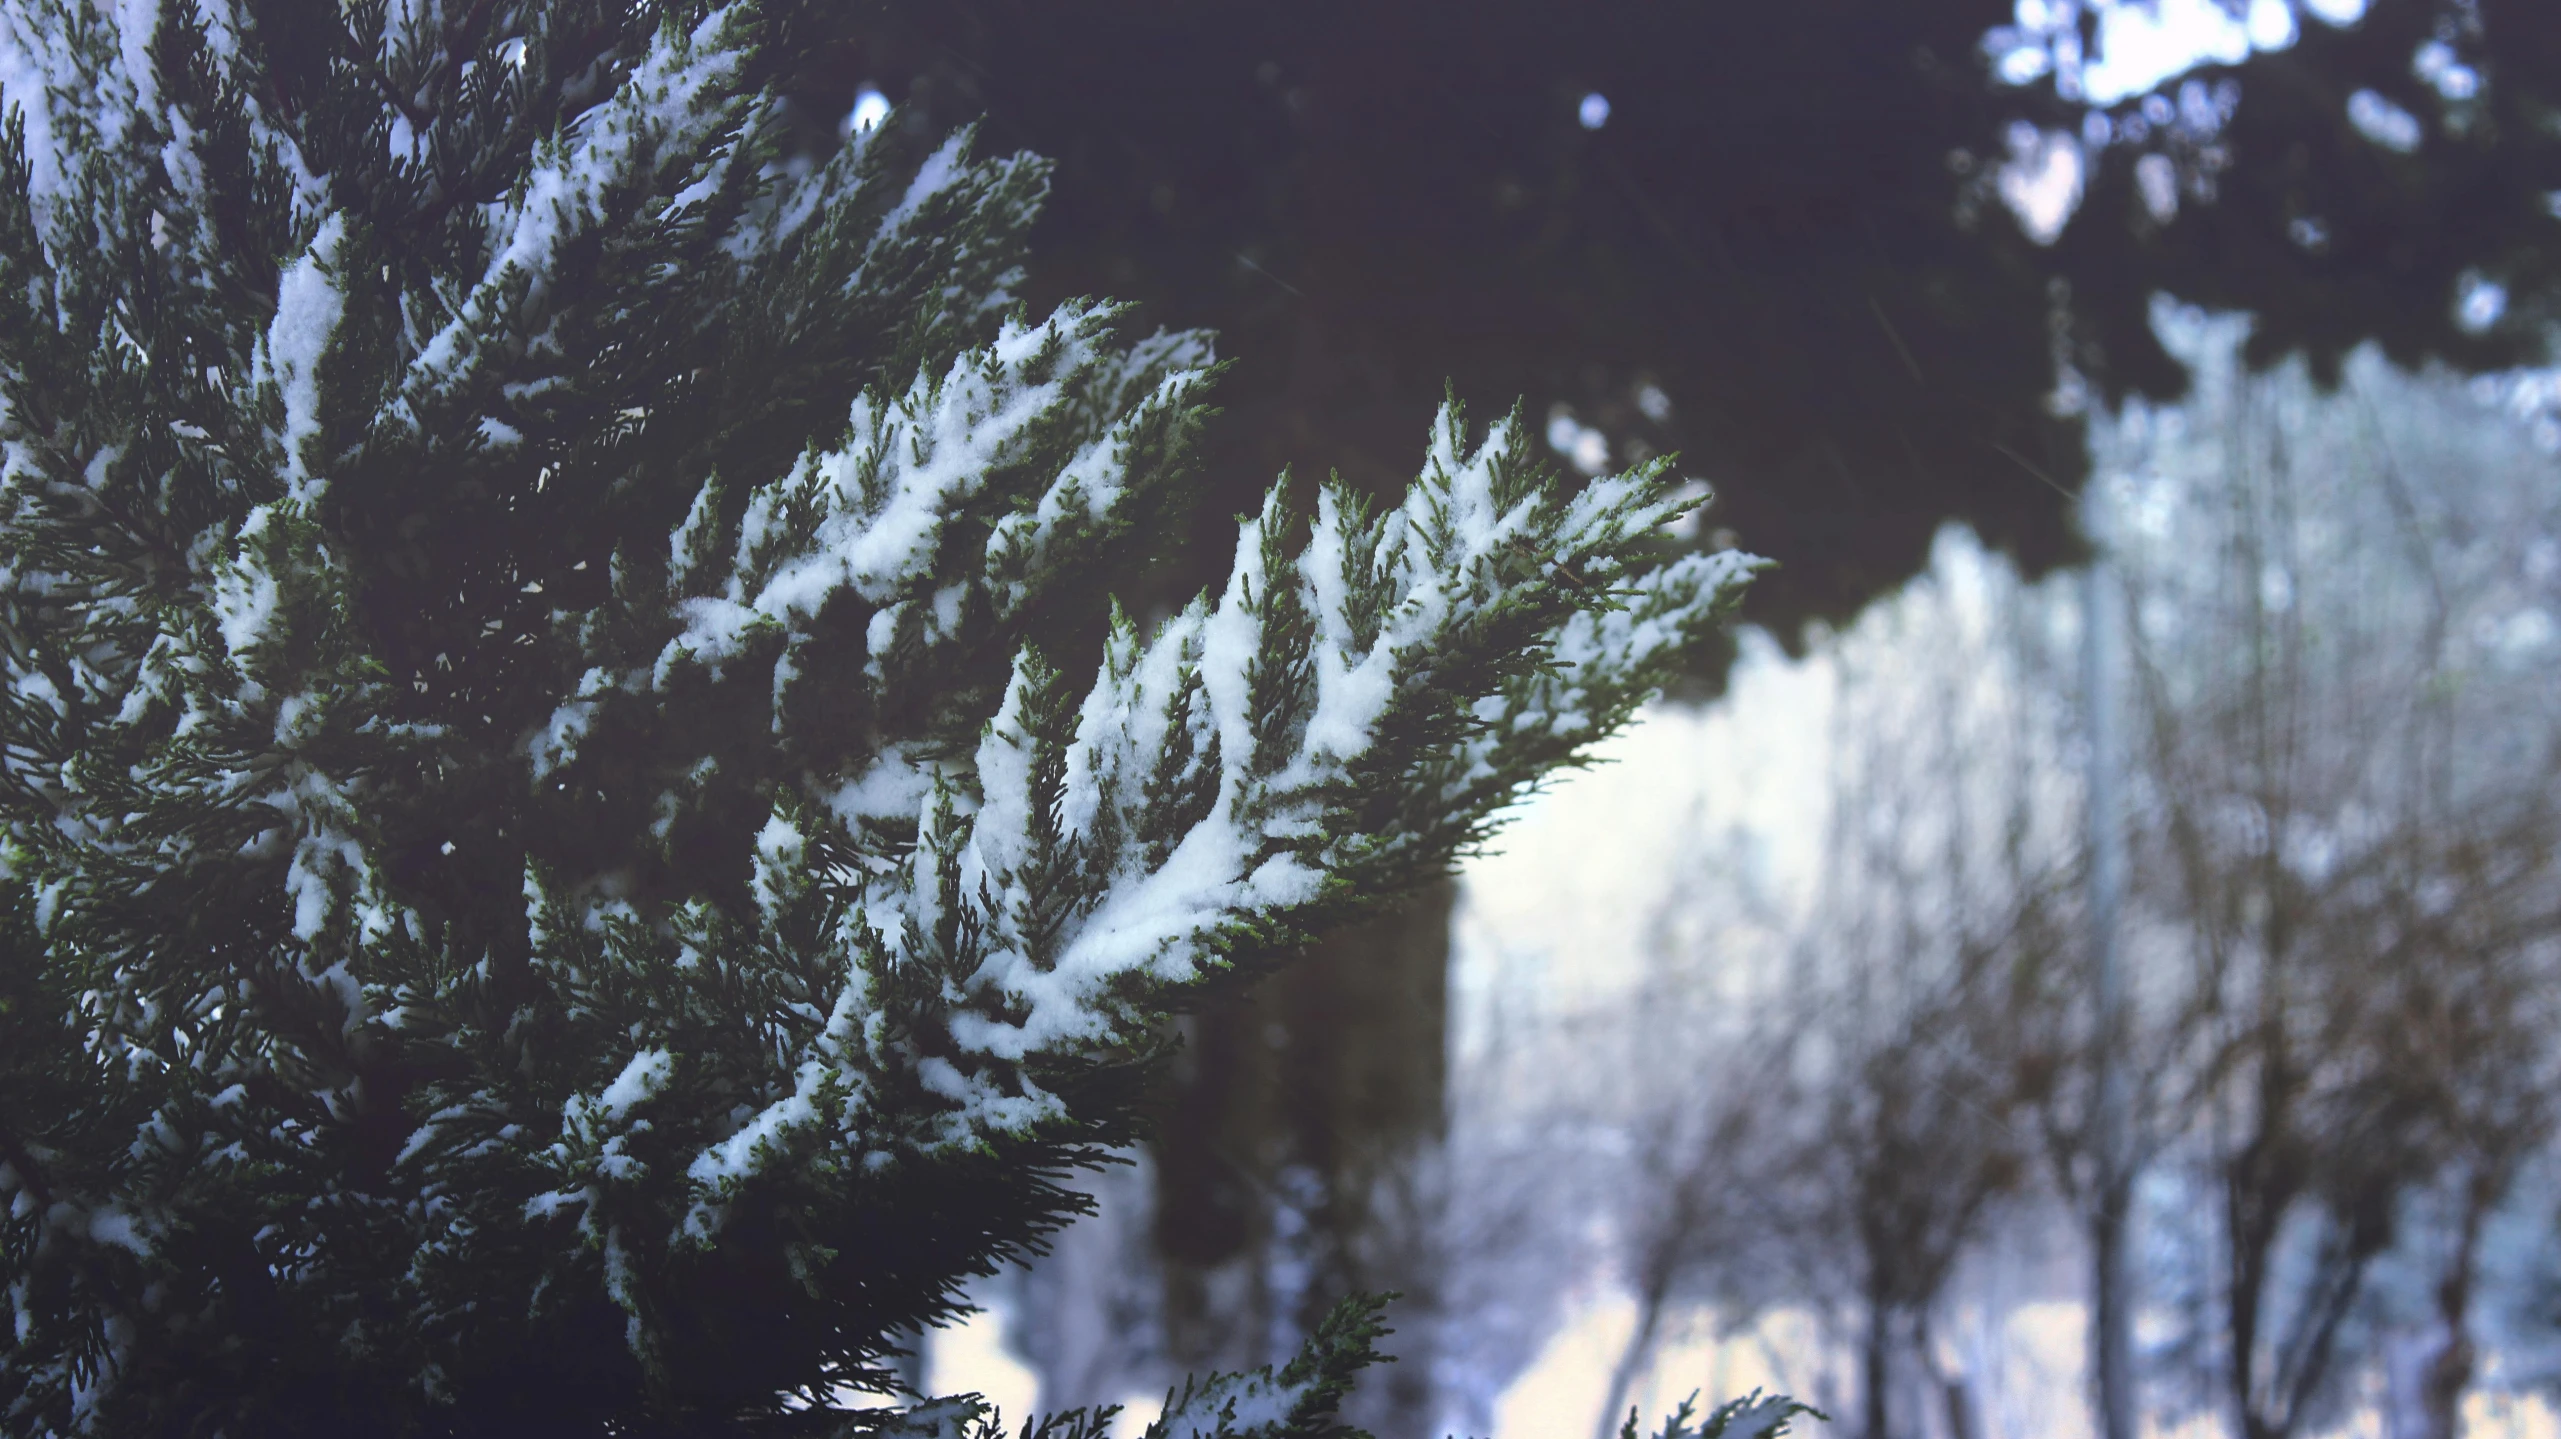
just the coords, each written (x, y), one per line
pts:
(1787, 224)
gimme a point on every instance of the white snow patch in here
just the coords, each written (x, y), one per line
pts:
(2384, 123)
(308, 308)
(642, 1080)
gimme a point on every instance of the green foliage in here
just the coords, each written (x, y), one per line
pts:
(561, 876)
(1750, 1417)
(1297, 1400)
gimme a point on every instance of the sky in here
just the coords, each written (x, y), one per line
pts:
(2145, 44)
(2142, 46)
(1580, 868)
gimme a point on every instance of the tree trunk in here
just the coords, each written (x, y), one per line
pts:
(2111, 1328)
(1638, 1353)
(2449, 1373)
(2111, 1309)
(1876, 1368)
(1964, 1419)
(1293, 1164)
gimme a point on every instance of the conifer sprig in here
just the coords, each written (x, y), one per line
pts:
(584, 837)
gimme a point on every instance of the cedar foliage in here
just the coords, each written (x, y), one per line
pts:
(584, 837)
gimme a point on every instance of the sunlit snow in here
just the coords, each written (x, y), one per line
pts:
(870, 108)
(2383, 122)
(2142, 45)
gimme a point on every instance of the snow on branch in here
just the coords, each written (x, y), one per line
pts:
(1325, 733)
(480, 892)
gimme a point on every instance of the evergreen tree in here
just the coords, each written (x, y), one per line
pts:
(584, 837)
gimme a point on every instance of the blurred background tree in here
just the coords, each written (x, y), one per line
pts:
(2342, 928)
(2349, 753)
